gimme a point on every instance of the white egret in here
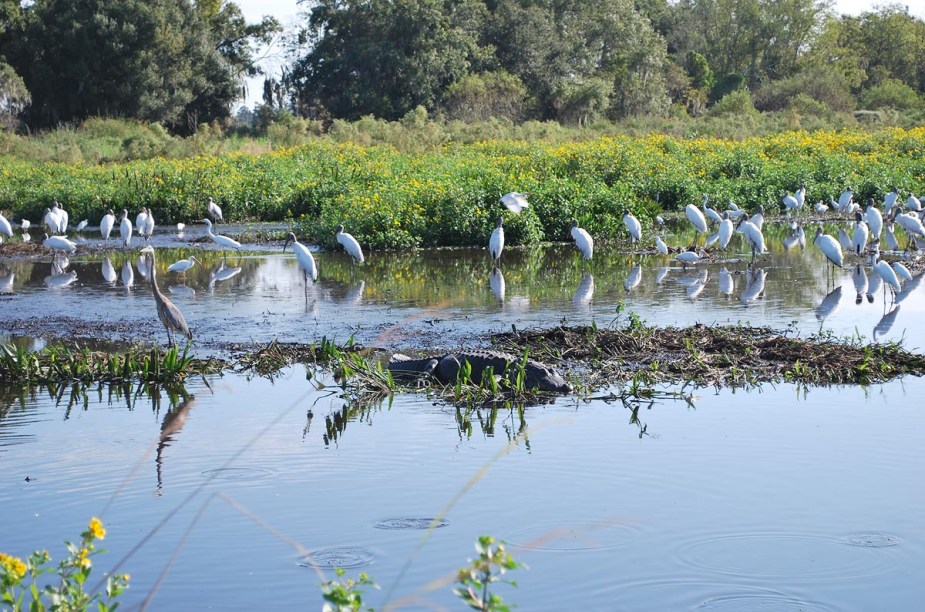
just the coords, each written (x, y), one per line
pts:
(148, 228)
(350, 244)
(829, 247)
(913, 203)
(25, 224)
(81, 226)
(844, 200)
(633, 227)
(874, 220)
(303, 256)
(183, 265)
(661, 246)
(710, 212)
(214, 210)
(726, 230)
(59, 243)
(860, 235)
(125, 229)
(5, 227)
(515, 202)
(496, 240)
(633, 278)
(583, 240)
(181, 227)
(223, 241)
(106, 224)
(821, 208)
(696, 218)
(902, 272)
(753, 236)
(889, 200)
(496, 282)
(169, 314)
(690, 257)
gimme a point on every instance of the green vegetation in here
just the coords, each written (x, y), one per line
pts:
(73, 571)
(345, 594)
(492, 563)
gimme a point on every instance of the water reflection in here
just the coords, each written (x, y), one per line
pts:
(859, 278)
(496, 282)
(6, 283)
(829, 304)
(585, 291)
(109, 272)
(885, 324)
(633, 278)
(726, 282)
(128, 274)
(61, 279)
(754, 285)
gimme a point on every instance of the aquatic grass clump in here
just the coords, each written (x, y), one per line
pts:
(715, 355)
(61, 364)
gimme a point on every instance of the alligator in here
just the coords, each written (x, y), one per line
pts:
(445, 368)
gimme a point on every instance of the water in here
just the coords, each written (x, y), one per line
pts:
(780, 498)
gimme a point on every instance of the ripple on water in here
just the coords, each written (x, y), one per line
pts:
(411, 523)
(872, 540)
(239, 473)
(780, 556)
(761, 602)
(574, 536)
(343, 557)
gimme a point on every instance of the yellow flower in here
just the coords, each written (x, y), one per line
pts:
(83, 558)
(13, 565)
(96, 529)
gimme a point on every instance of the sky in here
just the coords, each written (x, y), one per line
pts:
(286, 11)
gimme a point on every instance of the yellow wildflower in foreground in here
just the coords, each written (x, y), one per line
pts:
(83, 558)
(96, 529)
(13, 566)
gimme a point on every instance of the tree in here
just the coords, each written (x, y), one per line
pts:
(14, 97)
(477, 97)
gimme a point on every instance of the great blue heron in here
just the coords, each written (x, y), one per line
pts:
(350, 243)
(169, 314)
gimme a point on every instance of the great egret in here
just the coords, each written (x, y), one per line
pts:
(25, 224)
(633, 227)
(515, 202)
(181, 227)
(696, 218)
(821, 208)
(125, 229)
(169, 314)
(183, 265)
(214, 210)
(874, 220)
(106, 224)
(222, 241)
(304, 257)
(860, 235)
(829, 247)
(887, 275)
(5, 226)
(59, 243)
(711, 212)
(496, 240)
(690, 257)
(583, 240)
(726, 230)
(350, 244)
(661, 246)
(844, 200)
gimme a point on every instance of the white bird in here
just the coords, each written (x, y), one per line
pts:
(59, 243)
(496, 240)
(140, 221)
(689, 257)
(515, 202)
(902, 271)
(800, 195)
(185, 264)
(844, 200)
(25, 224)
(350, 244)
(829, 247)
(754, 237)
(583, 240)
(214, 210)
(696, 218)
(711, 213)
(889, 200)
(125, 229)
(81, 225)
(223, 241)
(733, 211)
(661, 246)
(874, 221)
(181, 227)
(726, 282)
(109, 272)
(63, 218)
(860, 235)
(52, 220)
(887, 275)
(5, 226)
(695, 288)
(726, 230)
(911, 223)
(303, 256)
(148, 228)
(820, 207)
(758, 218)
(790, 203)
(913, 203)
(633, 227)
(891, 242)
(633, 278)
(106, 224)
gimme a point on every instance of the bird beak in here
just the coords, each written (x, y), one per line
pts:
(286, 244)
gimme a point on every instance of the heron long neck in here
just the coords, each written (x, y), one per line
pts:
(157, 292)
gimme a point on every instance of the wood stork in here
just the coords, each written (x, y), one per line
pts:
(790, 203)
(140, 221)
(860, 235)
(696, 218)
(214, 210)
(223, 241)
(753, 236)
(874, 220)
(661, 246)
(515, 202)
(304, 257)
(148, 228)
(829, 247)
(106, 224)
(496, 240)
(844, 200)
(902, 272)
(911, 223)
(633, 227)
(913, 203)
(583, 240)
(726, 230)
(59, 243)
(800, 195)
(125, 229)
(5, 227)
(349, 243)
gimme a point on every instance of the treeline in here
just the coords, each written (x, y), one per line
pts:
(181, 62)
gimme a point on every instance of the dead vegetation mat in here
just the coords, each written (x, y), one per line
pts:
(711, 355)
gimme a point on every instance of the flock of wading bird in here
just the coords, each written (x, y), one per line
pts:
(863, 242)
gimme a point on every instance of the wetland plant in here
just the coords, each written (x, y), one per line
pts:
(488, 568)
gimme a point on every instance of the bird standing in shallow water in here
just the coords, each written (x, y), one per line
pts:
(350, 244)
(633, 227)
(183, 265)
(215, 211)
(496, 240)
(106, 224)
(223, 241)
(304, 257)
(829, 247)
(125, 229)
(583, 240)
(169, 314)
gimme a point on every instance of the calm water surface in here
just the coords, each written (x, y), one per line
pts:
(779, 498)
